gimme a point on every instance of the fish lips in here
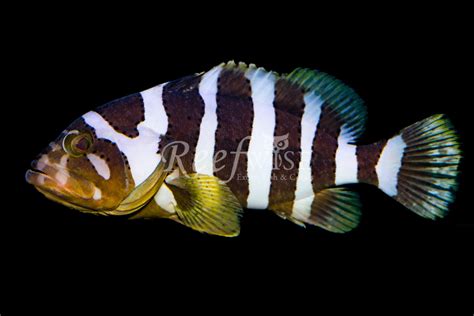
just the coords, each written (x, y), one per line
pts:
(59, 186)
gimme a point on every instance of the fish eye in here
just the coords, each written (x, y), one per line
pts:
(76, 143)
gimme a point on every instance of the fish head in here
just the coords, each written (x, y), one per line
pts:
(82, 171)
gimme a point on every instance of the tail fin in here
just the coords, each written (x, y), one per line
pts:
(419, 166)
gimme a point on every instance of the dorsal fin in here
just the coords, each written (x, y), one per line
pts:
(341, 99)
(231, 65)
(247, 68)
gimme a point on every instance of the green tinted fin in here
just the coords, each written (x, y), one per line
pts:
(429, 171)
(336, 210)
(340, 98)
(206, 204)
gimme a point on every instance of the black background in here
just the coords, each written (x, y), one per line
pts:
(406, 65)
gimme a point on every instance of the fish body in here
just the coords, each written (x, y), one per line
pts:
(200, 149)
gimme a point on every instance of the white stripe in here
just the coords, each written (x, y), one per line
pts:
(100, 165)
(140, 151)
(43, 162)
(155, 113)
(304, 189)
(260, 152)
(165, 199)
(389, 164)
(302, 208)
(41, 179)
(62, 173)
(203, 158)
(97, 194)
(346, 161)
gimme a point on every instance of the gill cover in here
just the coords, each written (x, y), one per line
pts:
(143, 193)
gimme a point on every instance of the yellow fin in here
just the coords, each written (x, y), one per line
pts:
(206, 204)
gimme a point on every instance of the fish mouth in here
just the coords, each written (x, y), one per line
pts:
(59, 184)
(37, 177)
(53, 190)
(31, 172)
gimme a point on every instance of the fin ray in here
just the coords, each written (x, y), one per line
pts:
(335, 209)
(206, 204)
(340, 98)
(427, 178)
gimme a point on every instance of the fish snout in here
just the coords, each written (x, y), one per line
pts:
(58, 180)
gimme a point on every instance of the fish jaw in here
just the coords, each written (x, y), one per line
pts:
(58, 185)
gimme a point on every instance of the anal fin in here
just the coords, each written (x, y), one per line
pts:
(291, 219)
(335, 209)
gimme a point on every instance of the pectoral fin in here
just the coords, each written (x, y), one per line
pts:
(206, 204)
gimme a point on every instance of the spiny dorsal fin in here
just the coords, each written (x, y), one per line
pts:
(341, 99)
(248, 69)
(231, 65)
(206, 204)
(336, 210)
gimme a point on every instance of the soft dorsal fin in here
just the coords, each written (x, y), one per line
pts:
(341, 99)
(336, 210)
(206, 204)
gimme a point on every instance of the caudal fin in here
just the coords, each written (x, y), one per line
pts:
(419, 166)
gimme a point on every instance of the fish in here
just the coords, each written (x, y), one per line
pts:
(200, 149)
